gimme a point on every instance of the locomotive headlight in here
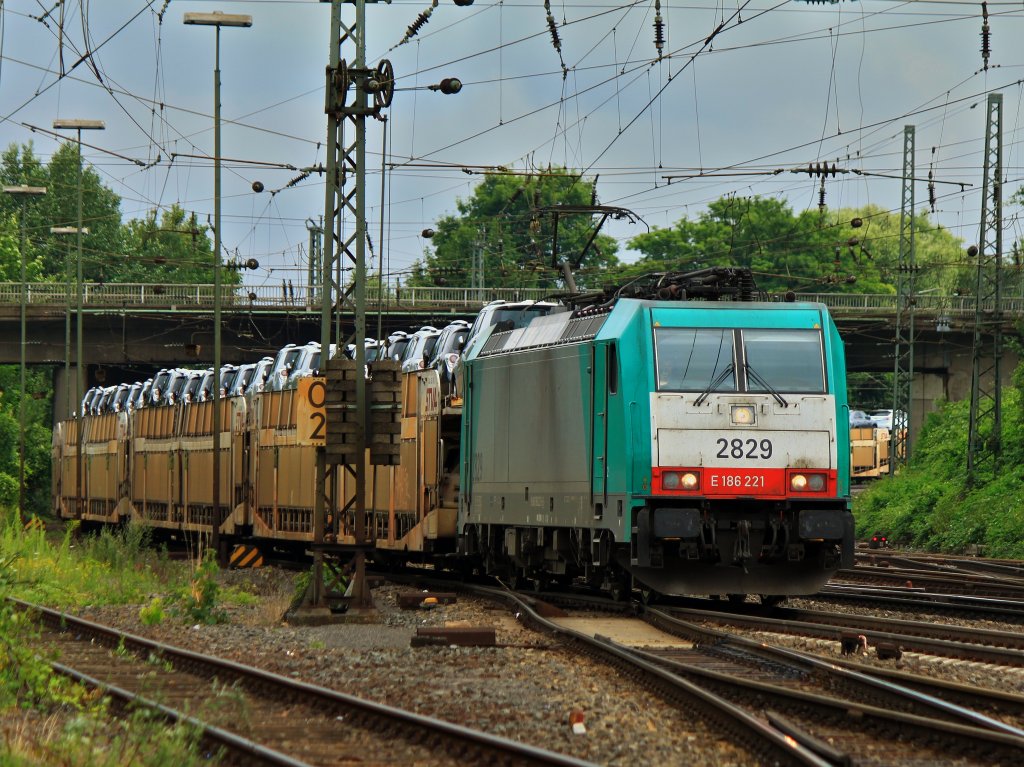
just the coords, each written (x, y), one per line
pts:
(680, 480)
(813, 483)
(742, 415)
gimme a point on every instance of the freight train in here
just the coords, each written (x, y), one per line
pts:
(673, 435)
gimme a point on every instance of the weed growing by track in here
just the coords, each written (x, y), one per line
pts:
(45, 719)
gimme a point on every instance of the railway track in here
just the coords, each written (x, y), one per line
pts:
(986, 646)
(958, 605)
(757, 694)
(254, 717)
(997, 580)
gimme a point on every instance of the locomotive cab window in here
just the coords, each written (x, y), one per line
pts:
(787, 360)
(691, 359)
(767, 360)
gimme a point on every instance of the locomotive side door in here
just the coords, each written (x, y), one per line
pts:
(599, 428)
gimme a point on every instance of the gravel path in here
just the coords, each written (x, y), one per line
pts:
(525, 691)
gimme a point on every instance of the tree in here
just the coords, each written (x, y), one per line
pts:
(505, 223)
(171, 249)
(174, 250)
(848, 250)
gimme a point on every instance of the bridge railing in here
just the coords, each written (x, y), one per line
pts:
(269, 297)
(119, 295)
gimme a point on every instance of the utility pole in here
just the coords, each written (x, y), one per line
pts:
(903, 373)
(478, 265)
(79, 126)
(315, 257)
(24, 192)
(986, 423)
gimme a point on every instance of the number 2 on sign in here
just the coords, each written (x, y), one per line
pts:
(312, 415)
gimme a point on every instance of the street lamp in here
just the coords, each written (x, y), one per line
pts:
(217, 20)
(67, 314)
(79, 126)
(24, 192)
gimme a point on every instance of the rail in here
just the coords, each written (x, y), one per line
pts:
(110, 295)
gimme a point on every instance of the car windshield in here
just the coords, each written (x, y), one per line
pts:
(787, 360)
(452, 343)
(397, 349)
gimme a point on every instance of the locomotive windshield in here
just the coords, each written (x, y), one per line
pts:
(772, 360)
(787, 360)
(689, 359)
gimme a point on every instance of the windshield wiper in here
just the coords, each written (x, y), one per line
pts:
(714, 384)
(751, 373)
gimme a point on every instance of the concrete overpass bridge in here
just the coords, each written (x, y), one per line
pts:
(132, 330)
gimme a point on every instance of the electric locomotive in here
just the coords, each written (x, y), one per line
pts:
(685, 446)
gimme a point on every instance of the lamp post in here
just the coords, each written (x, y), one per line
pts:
(79, 126)
(62, 230)
(217, 20)
(23, 192)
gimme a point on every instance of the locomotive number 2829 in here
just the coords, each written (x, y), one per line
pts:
(744, 448)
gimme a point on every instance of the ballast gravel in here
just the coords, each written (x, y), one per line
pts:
(524, 689)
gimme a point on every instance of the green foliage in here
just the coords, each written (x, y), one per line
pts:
(38, 436)
(199, 600)
(169, 248)
(94, 739)
(808, 251)
(302, 582)
(66, 574)
(928, 505)
(175, 249)
(118, 547)
(26, 678)
(83, 732)
(505, 221)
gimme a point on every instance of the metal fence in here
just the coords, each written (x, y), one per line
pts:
(149, 296)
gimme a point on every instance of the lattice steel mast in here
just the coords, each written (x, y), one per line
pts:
(903, 371)
(345, 161)
(985, 425)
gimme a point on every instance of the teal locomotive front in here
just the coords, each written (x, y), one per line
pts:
(686, 447)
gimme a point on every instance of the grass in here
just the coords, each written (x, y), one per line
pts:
(46, 720)
(929, 504)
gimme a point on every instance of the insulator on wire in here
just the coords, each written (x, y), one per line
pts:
(986, 36)
(553, 28)
(931, 190)
(418, 23)
(659, 28)
(556, 41)
(821, 195)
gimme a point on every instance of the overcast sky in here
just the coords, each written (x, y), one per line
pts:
(779, 85)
